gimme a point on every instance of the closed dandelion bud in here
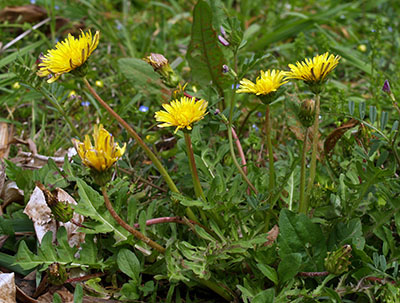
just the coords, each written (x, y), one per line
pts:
(307, 112)
(161, 66)
(62, 211)
(337, 262)
(57, 274)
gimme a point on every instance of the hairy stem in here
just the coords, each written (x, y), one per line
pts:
(237, 163)
(193, 169)
(137, 234)
(313, 164)
(270, 151)
(303, 202)
(240, 150)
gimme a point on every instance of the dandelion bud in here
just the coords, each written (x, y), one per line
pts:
(337, 262)
(62, 211)
(157, 61)
(306, 112)
(57, 274)
(161, 66)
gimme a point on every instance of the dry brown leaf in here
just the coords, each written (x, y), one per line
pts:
(11, 193)
(23, 297)
(272, 235)
(334, 136)
(6, 134)
(26, 13)
(7, 286)
(38, 211)
(66, 296)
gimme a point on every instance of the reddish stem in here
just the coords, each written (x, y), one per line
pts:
(240, 150)
(167, 220)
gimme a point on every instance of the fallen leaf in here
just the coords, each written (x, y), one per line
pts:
(26, 13)
(11, 193)
(65, 294)
(335, 135)
(7, 286)
(6, 134)
(272, 235)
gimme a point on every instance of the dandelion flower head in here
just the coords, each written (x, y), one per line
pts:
(268, 82)
(182, 113)
(67, 55)
(103, 154)
(315, 70)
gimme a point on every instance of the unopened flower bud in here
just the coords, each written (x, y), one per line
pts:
(386, 89)
(306, 112)
(161, 66)
(62, 211)
(57, 274)
(337, 262)
(225, 68)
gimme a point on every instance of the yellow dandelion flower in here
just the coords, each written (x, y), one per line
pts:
(103, 154)
(182, 113)
(315, 70)
(67, 56)
(267, 83)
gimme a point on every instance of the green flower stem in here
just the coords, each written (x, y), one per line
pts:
(303, 202)
(193, 169)
(313, 164)
(122, 223)
(50, 97)
(270, 151)
(130, 130)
